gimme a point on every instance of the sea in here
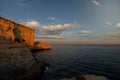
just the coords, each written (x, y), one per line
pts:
(65, 61)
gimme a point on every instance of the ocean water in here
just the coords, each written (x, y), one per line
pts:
(67, 61)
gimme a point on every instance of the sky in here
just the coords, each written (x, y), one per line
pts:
(67, 21)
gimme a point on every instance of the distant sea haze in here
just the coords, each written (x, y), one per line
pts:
(70, 60)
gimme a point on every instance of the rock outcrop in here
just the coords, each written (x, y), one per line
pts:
(86, 77)
(17, 62)
(7, 28)
(40, 45)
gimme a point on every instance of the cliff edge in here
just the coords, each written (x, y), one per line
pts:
(16, 60)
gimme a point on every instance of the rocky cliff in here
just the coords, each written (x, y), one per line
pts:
(17, 62)
(7, 30)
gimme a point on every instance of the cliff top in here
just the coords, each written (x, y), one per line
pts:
(17, 24)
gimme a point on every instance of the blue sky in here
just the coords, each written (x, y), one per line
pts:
(67, 21)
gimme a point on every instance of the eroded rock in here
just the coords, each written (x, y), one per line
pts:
(40, 45)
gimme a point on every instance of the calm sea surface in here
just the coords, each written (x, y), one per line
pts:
(68, 61)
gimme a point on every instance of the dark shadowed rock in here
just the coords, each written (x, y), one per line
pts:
(17, 63)
(80, 77)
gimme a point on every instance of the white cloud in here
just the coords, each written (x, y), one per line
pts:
(84, 32)
(58, 29)
(50, 37)
(109, 23)
(32, 24)
(114, 35)
(50, 29)
(118, 25)
(96, 3)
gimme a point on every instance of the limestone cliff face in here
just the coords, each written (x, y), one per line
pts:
(7, 27)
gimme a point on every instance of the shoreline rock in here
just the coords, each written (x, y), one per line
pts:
(86, 77)
(40, 45)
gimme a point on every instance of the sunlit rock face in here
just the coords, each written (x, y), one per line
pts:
(7, 27)
(42, 45)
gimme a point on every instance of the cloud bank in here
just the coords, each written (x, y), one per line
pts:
(58, 29)
(54, 29)
(50, 37)
(83, 32)
(114, 35)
